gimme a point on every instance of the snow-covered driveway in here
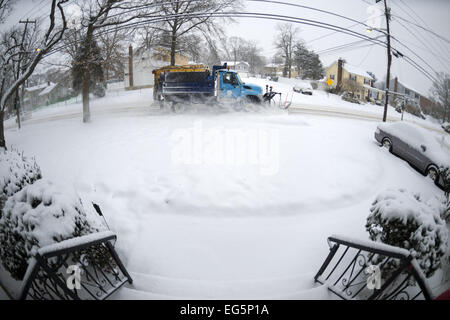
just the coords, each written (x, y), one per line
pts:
(221, 205)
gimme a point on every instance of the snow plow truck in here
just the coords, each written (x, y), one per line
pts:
(180, 86)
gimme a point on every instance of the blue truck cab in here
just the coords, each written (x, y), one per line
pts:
(220, 84)
(230, 86)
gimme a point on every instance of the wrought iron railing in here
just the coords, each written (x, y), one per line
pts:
(86, 267)
(364, 270)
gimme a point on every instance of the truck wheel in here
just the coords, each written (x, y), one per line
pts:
(239, 105)
(178, 107)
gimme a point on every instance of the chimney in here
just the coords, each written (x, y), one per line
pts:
(339, 74)
(130, 65)
(395, 89)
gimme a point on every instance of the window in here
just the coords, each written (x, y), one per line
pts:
(332, 76)
(407, 92)
(416, 95)
(352, 77)
(229, 78)
(366, 81)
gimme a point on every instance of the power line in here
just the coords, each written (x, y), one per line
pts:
(423, 28)
(432, 41)
(290, 19)
(413, 50)
(364, 59)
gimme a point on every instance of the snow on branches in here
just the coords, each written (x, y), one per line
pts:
(402, 219)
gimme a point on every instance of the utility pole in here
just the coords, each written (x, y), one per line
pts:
(389, 56)
(16, 99)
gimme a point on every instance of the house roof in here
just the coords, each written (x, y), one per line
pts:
(405, 85)
(231, 63)
(356, 70)
(48, 89)
(38, 87)
(272, 65)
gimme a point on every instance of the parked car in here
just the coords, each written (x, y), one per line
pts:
(419, 147)
(446, 127)
(304, 88)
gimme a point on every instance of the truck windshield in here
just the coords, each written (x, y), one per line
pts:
(238, 78)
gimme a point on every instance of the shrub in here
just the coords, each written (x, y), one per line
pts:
(16, 171)
(402, 219)
(39, 215)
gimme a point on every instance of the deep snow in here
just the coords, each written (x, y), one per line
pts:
(192, 224)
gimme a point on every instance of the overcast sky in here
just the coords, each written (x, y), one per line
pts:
(434, 13)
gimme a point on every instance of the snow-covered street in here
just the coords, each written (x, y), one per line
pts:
(223, 205)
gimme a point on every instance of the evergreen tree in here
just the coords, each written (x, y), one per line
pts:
(307, 62)
(88, 59)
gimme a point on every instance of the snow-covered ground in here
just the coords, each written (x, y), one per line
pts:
(218, 204)
(325, 102)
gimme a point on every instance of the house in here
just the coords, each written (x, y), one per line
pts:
(412, 96)
(44, 94)
(241, 67)
(351, 78)
(139, 66)
(275, 69)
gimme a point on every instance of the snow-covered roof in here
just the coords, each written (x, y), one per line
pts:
(231, 63)
(356, 70)
(48, 89)
(407, 86)
(272, 65)
(38, 87)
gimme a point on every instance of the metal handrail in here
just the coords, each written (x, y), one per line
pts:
(406, 264)
(66, 248)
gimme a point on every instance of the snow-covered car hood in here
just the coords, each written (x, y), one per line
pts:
(438, 147)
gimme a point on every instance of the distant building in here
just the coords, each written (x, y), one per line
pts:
(406, 91)
(339, 73)
(241, 67)
(143, 62)
(44, 94)
(276, 69)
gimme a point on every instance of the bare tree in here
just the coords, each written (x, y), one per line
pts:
(99, 15)
(285, 40)
(185, 17)
(114, 51)
(10, 52)
(234, 48)
(251, 54)
(5, 7)
(441, 92)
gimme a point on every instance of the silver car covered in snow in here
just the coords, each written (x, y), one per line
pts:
(422, 149)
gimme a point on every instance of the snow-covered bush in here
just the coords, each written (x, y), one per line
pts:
(16, 171)
(402, 219)
(39, 215)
